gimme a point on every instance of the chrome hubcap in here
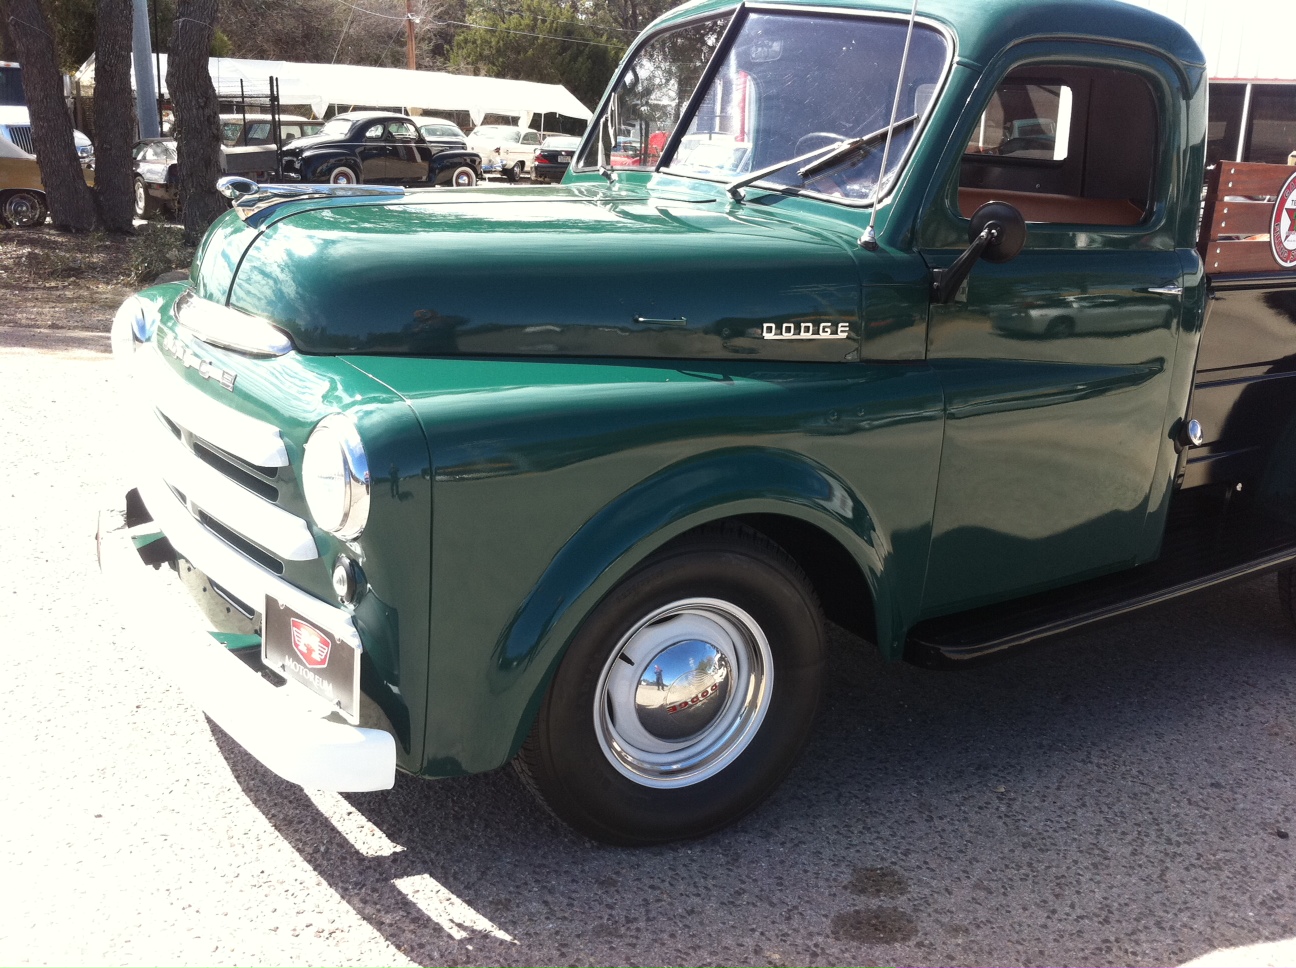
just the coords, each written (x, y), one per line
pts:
(683, 693)
(21, 210)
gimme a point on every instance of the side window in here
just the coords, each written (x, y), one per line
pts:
(258, 133)
(374, 133)
(530, 138)
(402, 131)
(1026, 121)
(1065, 145)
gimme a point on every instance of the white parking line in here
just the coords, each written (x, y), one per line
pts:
(448, 910)
(351, 824)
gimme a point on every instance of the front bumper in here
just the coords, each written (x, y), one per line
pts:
(292, 732)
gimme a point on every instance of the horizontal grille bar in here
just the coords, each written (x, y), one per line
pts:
(247, 514)
(253, 441)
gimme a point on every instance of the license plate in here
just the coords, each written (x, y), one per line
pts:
(302, 651)
(564, 157)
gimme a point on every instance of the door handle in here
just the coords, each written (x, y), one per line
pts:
(1171, 290)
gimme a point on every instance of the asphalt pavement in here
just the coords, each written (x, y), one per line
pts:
(1124, 796)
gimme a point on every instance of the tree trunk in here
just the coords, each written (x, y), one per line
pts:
(8, 49)
(197, 116)
(70, 202)
(115, 122)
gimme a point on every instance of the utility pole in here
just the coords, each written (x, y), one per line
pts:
(409, 34)
(146, 101)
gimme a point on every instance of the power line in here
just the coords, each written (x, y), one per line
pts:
(528, 33)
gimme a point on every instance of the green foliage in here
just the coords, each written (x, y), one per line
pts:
(221, 45)
(540, 40)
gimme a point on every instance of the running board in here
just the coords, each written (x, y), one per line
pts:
(1198, 552)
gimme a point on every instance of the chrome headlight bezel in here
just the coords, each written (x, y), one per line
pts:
(335, 477)
(229, 328)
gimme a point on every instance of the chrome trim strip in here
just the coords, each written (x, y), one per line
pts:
(252, 440)
(278, 531)
(243, 577)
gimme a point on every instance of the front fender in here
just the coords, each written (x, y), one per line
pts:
(612, 543)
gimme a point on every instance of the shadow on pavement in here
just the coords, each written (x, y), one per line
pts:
(1119, 797)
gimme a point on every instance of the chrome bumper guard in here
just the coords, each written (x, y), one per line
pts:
(292, 732)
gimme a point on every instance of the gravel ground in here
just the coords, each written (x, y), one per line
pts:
(1122, 797)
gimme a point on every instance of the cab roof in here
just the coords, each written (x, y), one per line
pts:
(987, 27)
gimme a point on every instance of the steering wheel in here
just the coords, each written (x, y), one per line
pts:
(828, 137)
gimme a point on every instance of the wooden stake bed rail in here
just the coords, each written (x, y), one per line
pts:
(1250, 223)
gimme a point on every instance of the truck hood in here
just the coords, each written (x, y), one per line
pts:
(566, 271)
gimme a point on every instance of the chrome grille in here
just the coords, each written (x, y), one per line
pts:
(223, 468)
(20, 134)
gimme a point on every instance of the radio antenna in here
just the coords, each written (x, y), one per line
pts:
(869, 238)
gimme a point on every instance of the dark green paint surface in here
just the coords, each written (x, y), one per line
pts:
(553, 382)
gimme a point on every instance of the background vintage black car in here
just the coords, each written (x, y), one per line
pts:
(374, 147)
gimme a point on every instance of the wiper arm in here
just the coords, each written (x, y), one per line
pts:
(847, 148)
(735, 187)
(826, 156)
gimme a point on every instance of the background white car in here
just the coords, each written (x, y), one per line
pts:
(505, 148)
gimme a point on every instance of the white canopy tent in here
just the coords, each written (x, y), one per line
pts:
(320, 85)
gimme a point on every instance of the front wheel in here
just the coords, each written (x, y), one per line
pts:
(685, 696)
(515, 172)
(22, 209)
(463, 177)
(145, 205)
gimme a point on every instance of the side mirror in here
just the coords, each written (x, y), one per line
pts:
(997, 233)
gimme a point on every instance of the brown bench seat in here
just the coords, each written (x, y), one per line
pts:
(1044, 207)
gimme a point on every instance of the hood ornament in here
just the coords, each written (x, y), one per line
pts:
(249, 197)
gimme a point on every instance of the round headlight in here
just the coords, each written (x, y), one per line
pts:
(335, 477)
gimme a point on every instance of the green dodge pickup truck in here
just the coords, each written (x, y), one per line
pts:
(912, 320)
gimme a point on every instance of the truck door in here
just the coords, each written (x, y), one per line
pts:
(1057, 366)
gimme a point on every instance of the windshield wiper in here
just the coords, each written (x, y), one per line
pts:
(826, 157)
(848, 148)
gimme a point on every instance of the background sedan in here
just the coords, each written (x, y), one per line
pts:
(553, 158)
(153, 161)
(373, 147)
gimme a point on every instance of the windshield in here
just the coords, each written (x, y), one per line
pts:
(653, 91)
(794, 83)
(498, 132)
(337, 127)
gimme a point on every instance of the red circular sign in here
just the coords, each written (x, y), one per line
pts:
(1282, 230)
